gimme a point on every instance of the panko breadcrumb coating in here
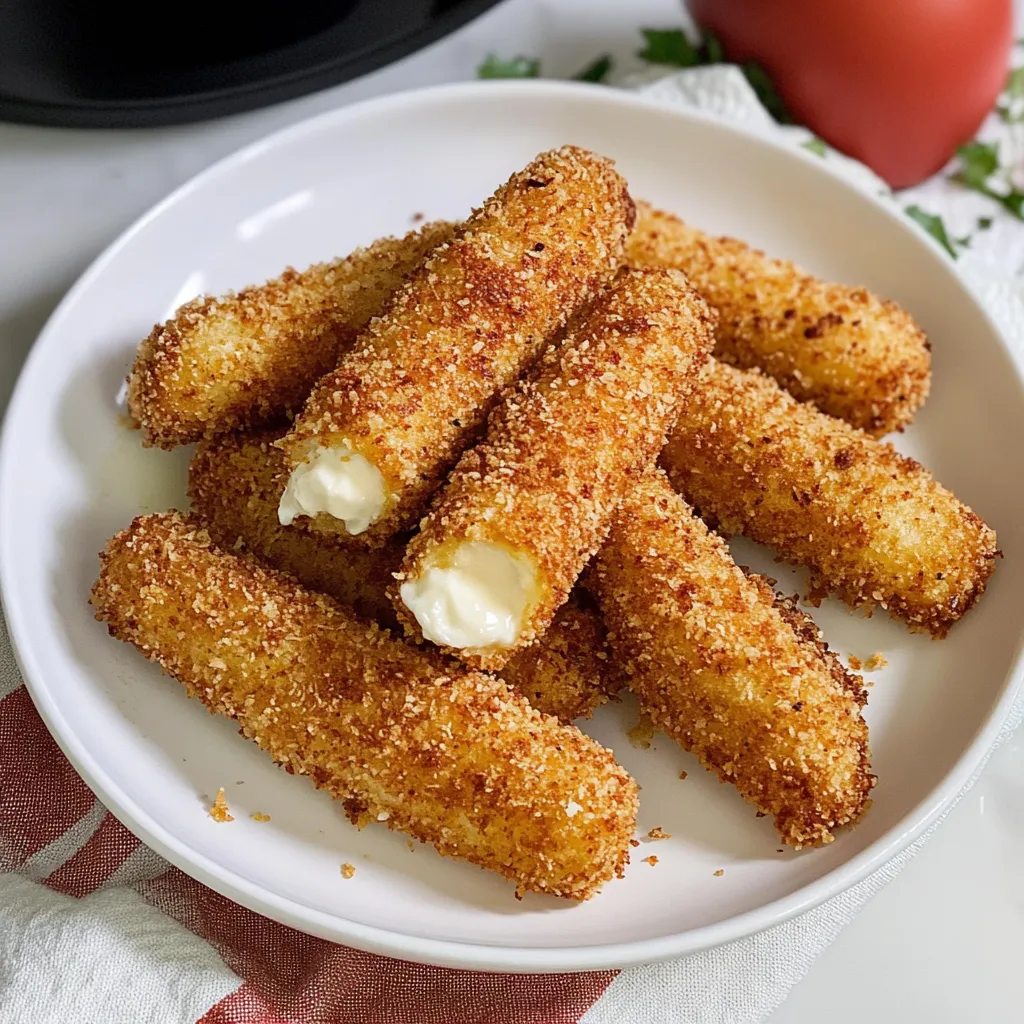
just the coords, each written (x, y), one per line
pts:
(242, 360)
(853, 355)
(235, 483)
(741, 681)
(872, 525)
(455, 760)
(567, 673)
(415, 390)
(567, 444)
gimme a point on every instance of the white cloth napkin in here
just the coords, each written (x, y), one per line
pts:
(742, 982)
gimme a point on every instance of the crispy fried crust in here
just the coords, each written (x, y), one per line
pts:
(567, 444)
(235, 484)
(416, 389)
(458, 761)
(872, 525)
(567, 673)
(855, 356)
(241, 360)
(716, 663)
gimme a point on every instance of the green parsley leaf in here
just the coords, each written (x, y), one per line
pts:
(1015, 83)
(711, 49)
(978, 162)
(668, 46)
(1011, 109)
(934, 225)
(596, 70)
(517, 67)
(815, 146)
(984, 223)
(673, 46)
(762, 84)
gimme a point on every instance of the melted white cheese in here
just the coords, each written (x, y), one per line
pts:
(477, 601)
(346, 486)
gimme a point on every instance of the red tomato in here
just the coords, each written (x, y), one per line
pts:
(899, 84)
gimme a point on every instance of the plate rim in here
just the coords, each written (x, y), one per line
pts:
(448, 952)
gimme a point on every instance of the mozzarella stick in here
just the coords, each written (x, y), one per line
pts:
(526, 508)
(235, 483)
(719, 667)
(855, 356)
(242, 360)
(378, 434)
(456, 760)
(873, 526)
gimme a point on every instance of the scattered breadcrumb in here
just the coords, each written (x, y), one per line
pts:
(347, 870)
(780, 850)
(683, 775)
(417, 217)
(652, 860)
(219, 807)
(634, 842)
(719, 873)
(658, 833)
(641, 734)
(410, 844)
(876, 661)
(855, 663)
(259, 816)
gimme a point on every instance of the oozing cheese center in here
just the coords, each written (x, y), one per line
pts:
(477, 600)
(346, 486)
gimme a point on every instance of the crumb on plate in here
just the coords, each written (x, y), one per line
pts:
(652, 860)
(259, 816)
(641, 734)
(219, 808)
(658, 833)
(347, 870)
(876, 661)
(719, 872)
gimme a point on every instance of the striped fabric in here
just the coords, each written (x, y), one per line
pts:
(148, 942)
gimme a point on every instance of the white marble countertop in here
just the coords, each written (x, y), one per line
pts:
(945, 941)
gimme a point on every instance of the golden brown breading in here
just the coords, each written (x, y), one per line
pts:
(567, 673)
(241, 360)
(417, 387)
(458, 760)
(567, 444)
(235, 483)
(716, 663)
(872, 525)
(856, 357)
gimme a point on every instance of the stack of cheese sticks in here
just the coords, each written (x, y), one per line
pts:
(440, 510)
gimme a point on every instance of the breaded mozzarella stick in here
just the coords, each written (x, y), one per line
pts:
(526, 508)
(853, 355)
(378, 434)
(245, 359)
(872, 525)
(235, 484)
(454, 760)
(718, 665)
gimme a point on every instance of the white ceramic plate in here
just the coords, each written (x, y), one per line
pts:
(73, 475)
